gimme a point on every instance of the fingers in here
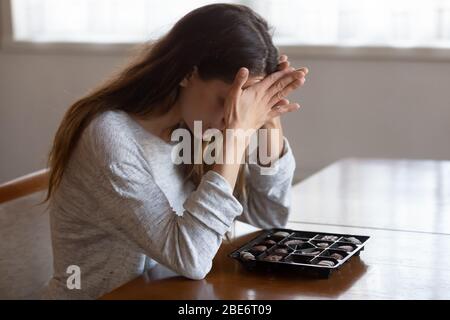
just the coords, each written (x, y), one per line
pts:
(284, 65)
(235, 94)
(304, 69)
(239, 81)
(273, 78)
(285, 86)
(282, 102)
(282, 109)
(283, 62)
(283, 58)
(270, 80)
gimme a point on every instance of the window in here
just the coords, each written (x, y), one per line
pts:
(99, 21)
(404, 23)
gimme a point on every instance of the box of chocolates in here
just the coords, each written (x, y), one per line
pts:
(313, 253)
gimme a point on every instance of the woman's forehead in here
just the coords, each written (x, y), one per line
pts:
(223, 87)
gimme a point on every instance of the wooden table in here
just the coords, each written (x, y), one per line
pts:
(403, 205)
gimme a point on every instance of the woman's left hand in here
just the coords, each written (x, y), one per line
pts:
(283, 65)
(275, 142)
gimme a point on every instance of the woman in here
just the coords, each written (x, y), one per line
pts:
(119, 204)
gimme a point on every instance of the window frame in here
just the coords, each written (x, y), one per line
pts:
(9, 45)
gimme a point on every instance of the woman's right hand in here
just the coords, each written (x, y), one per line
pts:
(251, 108)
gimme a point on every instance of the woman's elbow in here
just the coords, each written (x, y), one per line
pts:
(198, 272)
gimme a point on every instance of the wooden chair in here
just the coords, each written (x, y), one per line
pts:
(25, 243)
(23, 186)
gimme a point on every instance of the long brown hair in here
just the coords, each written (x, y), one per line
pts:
(219, 39)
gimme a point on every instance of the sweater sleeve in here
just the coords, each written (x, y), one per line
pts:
(138, 211)
(268, 200)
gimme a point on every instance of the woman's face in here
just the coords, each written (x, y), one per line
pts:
(204, 100)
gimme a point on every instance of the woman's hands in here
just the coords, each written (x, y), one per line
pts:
(256, 106)
(251, 108)
(284, 65)
(272, 137)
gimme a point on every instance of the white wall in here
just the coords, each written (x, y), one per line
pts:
(351, 108)
(388, 109)
(35, 91)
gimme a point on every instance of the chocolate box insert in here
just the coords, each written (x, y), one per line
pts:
(352, 239)
(322, 243)
(326, 262)
(297, 258)
(303, 234)
(336, 254)
(303, 251)
(282, 250)
(269, 242)
(297, 243)
(310, 251)
(327, 237)
(344, 246)
(280, 235)
(258, 249)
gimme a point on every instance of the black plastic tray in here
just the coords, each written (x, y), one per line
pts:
(302, 257)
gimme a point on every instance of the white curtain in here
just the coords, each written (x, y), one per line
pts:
(304, 22)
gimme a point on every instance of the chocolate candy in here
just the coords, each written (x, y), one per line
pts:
(346, 248)
(337, 256)
(322, 244)
(259, 248)
(247, 256)
(281, 234)
(294, 242)
(281, 251)
(269, 242)
(329, 238)
(353, 240)
(273, 258)
(326, 263)
(311, 252)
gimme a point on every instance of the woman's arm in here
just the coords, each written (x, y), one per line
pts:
(268, 196)
(136, 210)
(271, 136)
